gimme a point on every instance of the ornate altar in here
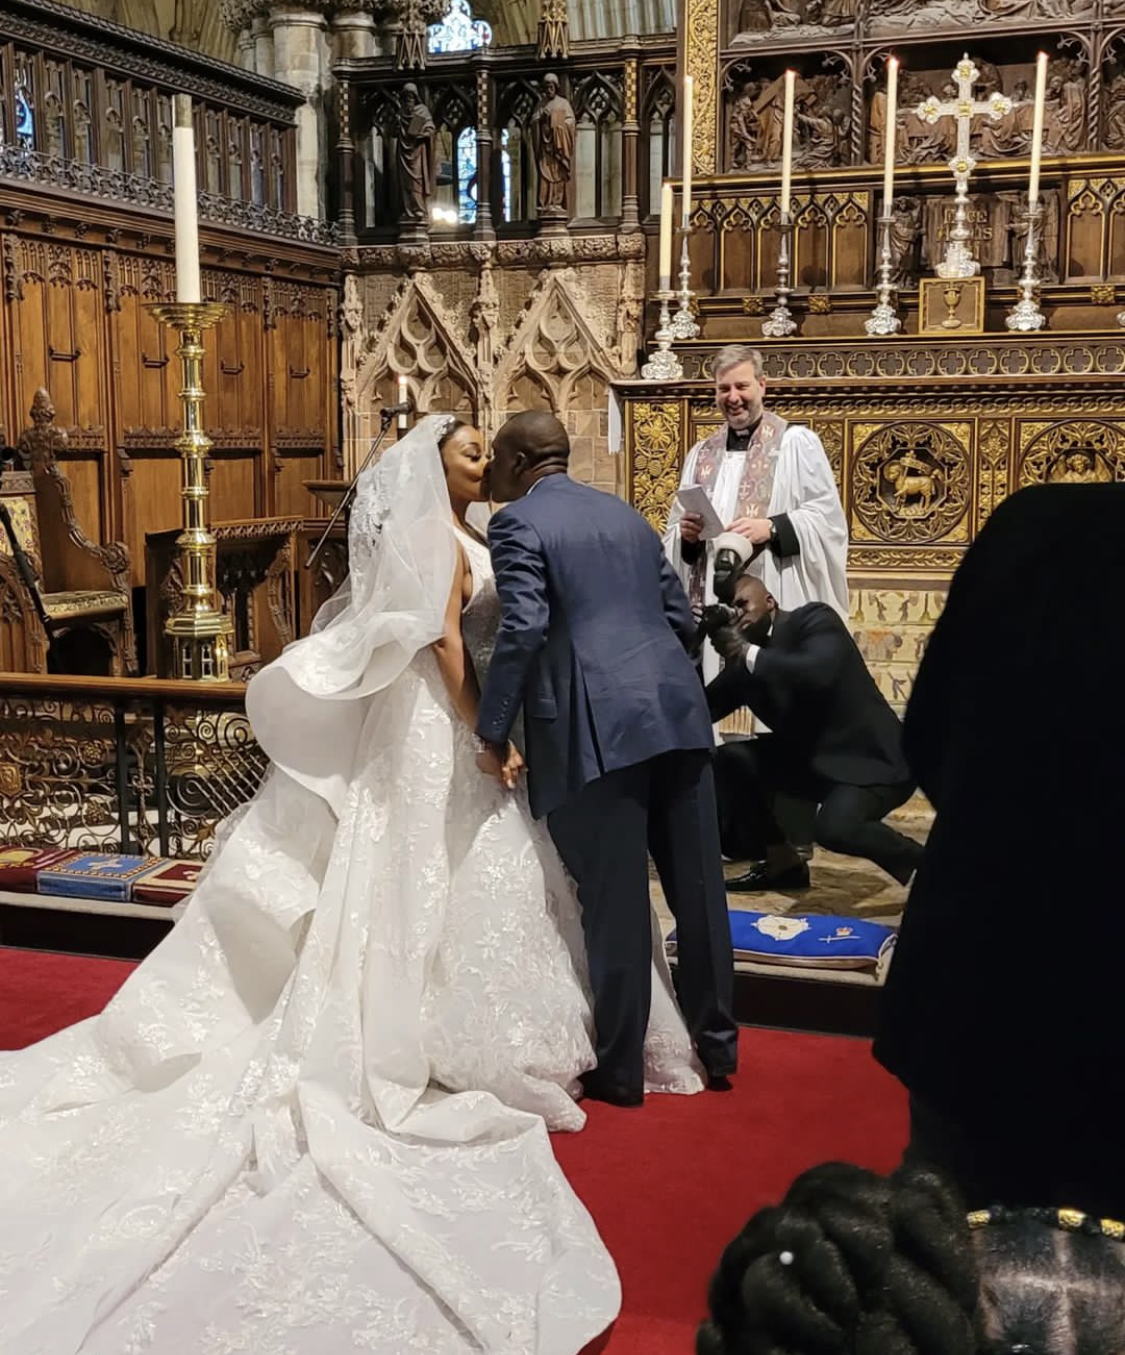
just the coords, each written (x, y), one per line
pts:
(256, 580)
(928, 428)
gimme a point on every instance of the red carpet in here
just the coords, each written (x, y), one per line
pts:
(668, 1184)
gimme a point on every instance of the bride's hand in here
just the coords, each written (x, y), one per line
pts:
(513, 765)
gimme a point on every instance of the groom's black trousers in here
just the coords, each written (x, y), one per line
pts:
(666, 807)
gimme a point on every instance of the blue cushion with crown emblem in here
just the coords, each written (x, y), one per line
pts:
(807, 940)
(96, 875)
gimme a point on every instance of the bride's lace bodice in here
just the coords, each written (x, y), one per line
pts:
(480, 619)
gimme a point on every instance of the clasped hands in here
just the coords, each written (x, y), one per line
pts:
(504, 762)
(755, 530)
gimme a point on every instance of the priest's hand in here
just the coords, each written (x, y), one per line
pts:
(731, 643)
(691, 527)
(755, 530)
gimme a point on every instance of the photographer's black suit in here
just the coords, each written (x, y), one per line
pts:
(834, 740)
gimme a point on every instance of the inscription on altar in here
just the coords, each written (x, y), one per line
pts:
(988, 221)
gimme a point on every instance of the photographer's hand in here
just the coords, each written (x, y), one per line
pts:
(731, 644)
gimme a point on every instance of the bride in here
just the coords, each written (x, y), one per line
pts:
(316, 1117)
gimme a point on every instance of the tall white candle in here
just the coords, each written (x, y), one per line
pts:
(787, 146)
(688, 131)
(188, 286)
(889, 135)
(666, 208)
(403, 398)
(1037, 127)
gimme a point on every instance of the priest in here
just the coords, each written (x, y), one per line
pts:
(770, 482)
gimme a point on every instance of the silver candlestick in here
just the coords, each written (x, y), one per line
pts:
(1025, 315)
(683, 322)
(664, 365)
(780, 323)
(883, 319)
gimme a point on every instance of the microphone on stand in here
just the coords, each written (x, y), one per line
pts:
(386, 415)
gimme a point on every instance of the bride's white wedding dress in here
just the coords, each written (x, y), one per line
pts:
(311, 1121)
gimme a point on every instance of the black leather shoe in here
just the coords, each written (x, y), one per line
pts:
(599, 1089)
(758, 880)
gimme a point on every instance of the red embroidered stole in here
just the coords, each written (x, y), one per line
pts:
(754, 492)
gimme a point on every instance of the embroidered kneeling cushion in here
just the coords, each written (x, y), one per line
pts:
(95, 875)
(20, 867)
(167, 882)
(807, 941)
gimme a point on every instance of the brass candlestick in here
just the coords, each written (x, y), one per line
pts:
(199, 629)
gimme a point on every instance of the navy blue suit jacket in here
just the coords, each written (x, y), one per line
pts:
(591, 643)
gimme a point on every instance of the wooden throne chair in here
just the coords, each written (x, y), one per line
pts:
(84, 586)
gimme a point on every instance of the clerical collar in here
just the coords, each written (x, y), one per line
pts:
(739, 441)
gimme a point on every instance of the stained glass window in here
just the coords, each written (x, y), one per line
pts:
(460, 32)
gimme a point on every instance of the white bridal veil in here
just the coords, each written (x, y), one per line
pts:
(305, 708)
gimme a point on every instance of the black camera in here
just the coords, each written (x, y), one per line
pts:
(714, 618)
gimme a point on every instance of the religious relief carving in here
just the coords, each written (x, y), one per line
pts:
(822, 120)
(886, 15)
(759, 19)
(1113, 134)
(1077, 453)
(911, 481)
(415, 162)
(553, 130)
(1006, 132)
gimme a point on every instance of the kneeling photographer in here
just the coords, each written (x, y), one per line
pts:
(834, 739)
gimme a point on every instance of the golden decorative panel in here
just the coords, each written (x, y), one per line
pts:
(910, 481)
(951, 305)
(1080, 451)
(702, 62)
(656, 438)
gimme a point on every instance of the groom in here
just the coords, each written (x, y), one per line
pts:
(591, 645)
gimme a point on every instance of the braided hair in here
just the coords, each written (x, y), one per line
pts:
(850, 1263)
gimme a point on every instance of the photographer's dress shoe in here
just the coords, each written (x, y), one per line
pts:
(758, 880)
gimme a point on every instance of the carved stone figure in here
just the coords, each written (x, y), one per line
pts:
(1063, 121)
(744, 128)
(760, 16)
(553, 133)
(1114, 136)
(905, 237)
(836, 13)
(414, 158)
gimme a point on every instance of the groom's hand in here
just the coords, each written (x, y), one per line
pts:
(502, 762)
